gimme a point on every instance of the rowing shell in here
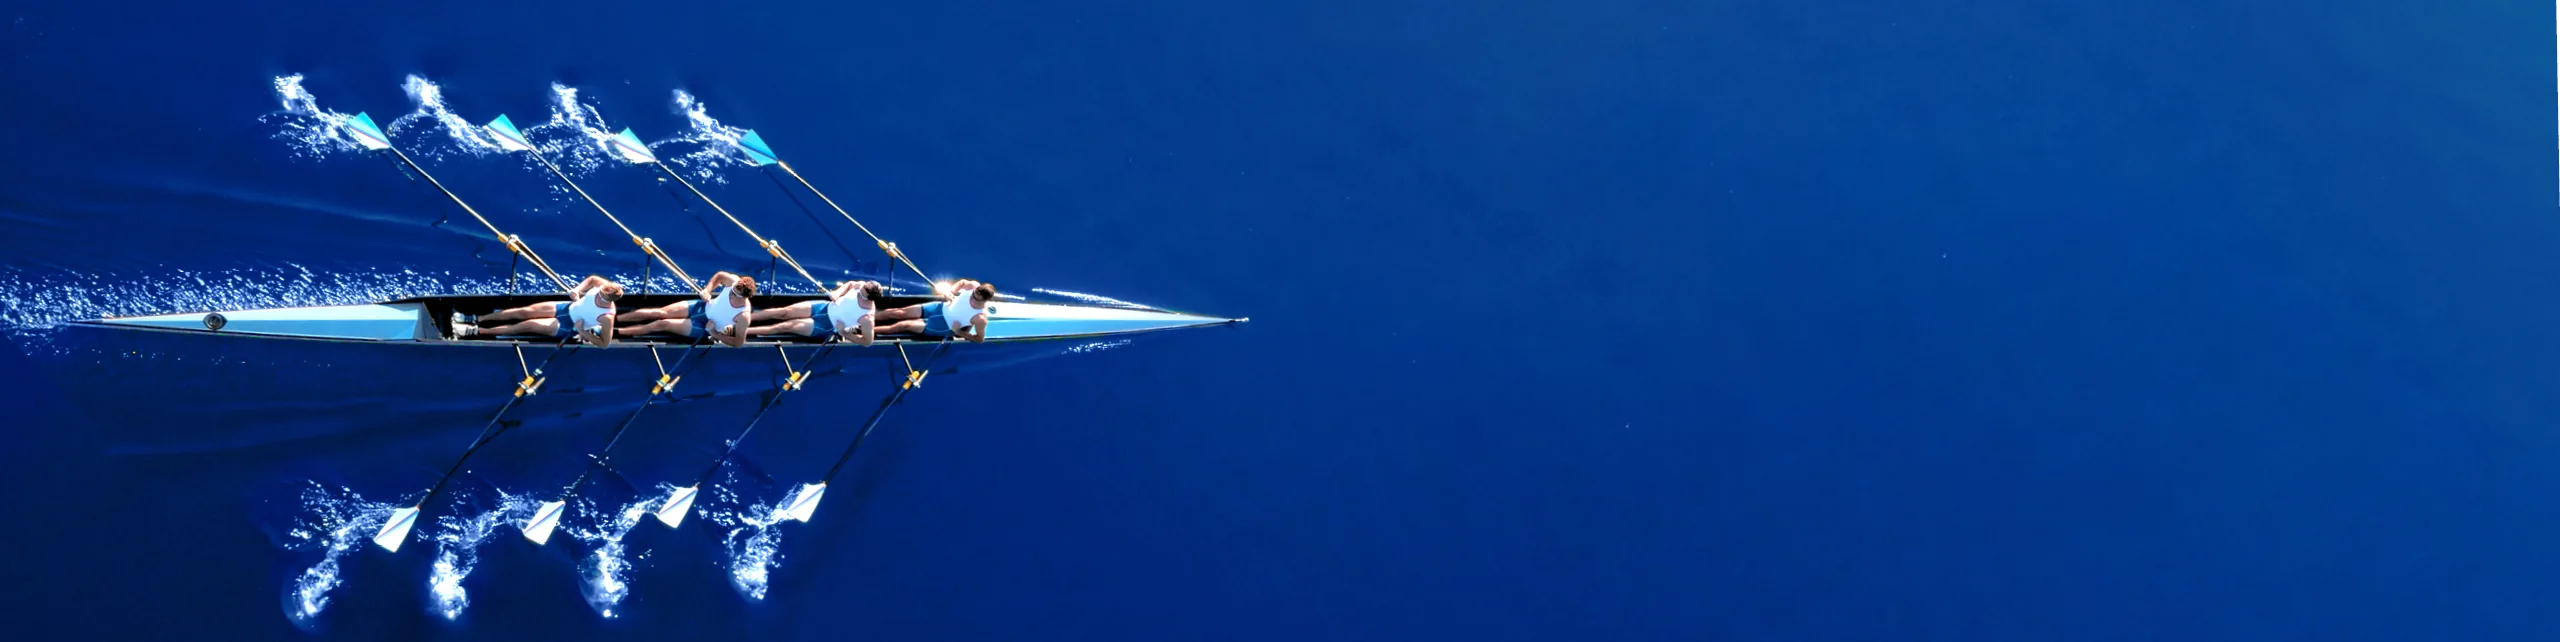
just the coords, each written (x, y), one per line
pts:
(428, 320)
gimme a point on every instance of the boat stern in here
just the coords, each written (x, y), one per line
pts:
(366, 322)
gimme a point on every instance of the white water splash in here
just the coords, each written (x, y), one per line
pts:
(311, 131)
(752, 544)
(458, 540)
(607, 570)
(334, 522)
(1097, 346)
(574, 136)
(712, 146)
(431, 109)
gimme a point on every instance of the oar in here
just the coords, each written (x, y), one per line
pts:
(547, 516)
(628, 146)
(512, 139)
(396, 531)
(803, 502)
(672, 511)
(760, 154)
(371, 137)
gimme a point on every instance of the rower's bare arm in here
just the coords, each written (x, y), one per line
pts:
(737, 334)
(978, 329)
(865, 332)
(602, 334)
(718, 280)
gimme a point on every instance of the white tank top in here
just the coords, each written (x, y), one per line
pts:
(584, 311)
(845, 313)
(957, 312)
(721, 315)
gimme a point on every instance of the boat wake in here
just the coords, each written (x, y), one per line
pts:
(1095, 299)
(34, 301)
(333, 522)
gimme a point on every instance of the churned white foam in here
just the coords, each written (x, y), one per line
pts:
(334, 522)
(574, 136)
(607, 567)
(710, 146)
(431, 109)
(312, 132)
(458, 540)
(752, 545)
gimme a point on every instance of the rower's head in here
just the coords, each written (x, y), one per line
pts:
(746, 286)
(982, 295)
(611, 292)
(870, 291)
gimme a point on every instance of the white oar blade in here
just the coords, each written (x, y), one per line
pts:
(545, 518)
(672, 511)
(396, 531)
(804, 501)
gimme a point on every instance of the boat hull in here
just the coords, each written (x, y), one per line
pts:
(427, 320)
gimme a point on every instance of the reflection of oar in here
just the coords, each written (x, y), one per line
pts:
(671, 512)
(804, 501)
(396, 530)
(547, 516)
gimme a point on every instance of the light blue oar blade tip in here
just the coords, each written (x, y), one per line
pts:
(368, 135)
(629, 146)
(508, 136)
(758, 153)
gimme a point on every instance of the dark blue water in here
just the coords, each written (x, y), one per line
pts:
(1639, 321)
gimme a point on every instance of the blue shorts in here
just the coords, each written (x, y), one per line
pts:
(819, 325)
(701, 322)
(934, 325)
(568, 327)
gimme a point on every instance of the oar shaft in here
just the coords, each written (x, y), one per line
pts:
(652, 250)
(878, 414)
(848, 217)
(769, 246)
(486, 434)
(732, 447)
(606, 454)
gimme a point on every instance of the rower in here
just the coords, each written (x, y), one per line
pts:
(964, 315)
(722, 314)
(847, 314)
(587, 315)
